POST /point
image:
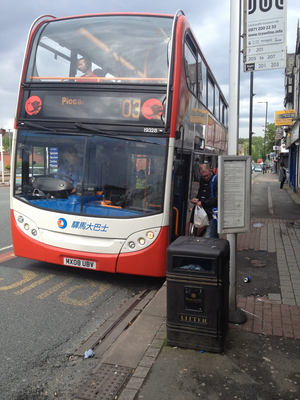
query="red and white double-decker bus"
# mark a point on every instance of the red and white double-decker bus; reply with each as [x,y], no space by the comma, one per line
[133,100]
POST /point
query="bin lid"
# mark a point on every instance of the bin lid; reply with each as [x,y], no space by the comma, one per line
[198,246]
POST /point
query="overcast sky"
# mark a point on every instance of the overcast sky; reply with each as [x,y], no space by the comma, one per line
[210,21]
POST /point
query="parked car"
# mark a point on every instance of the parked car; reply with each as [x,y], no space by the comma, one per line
[258,168]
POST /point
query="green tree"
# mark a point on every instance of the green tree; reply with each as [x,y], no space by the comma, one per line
[245,143]
[257,148]
[5,143]
[270,138]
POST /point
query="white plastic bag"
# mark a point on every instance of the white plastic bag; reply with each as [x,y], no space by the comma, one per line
[200,217]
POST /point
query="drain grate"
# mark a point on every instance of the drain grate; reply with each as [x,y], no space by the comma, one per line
[106,383]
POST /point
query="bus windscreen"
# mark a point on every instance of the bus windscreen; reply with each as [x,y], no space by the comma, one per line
[101,49]
[91,175]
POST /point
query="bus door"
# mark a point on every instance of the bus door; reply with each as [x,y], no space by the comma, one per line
[180,199]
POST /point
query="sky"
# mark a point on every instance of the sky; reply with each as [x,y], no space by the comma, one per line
[210,22]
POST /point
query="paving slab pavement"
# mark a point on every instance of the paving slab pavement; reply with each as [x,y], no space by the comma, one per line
[261,357]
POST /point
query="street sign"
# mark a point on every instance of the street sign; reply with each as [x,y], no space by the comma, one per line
[278,133]
[284,117]
[283,122]
[264,35]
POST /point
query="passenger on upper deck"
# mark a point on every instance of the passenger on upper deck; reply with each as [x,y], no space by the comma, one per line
[84,65]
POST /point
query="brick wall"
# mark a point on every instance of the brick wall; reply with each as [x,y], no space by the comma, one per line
[6,158]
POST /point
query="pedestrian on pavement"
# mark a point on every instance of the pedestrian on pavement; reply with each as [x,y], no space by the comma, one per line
[205,199]
[282,175]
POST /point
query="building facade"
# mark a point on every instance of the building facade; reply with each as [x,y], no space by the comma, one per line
[291,102]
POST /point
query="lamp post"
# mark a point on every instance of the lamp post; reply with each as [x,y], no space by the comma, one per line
[251,113]
[266,122]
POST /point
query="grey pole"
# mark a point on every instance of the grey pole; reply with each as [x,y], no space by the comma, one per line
[236,315]
[251,113]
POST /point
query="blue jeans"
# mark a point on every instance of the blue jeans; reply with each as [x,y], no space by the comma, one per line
[212,230]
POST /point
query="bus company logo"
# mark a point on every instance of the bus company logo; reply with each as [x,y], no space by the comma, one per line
[33,105]
[152,109]
[62,223]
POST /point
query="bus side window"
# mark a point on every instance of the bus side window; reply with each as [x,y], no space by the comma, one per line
[190,66]
[202,83]
[211,96]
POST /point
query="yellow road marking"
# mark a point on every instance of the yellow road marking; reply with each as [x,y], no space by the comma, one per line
[7,256]
[55,288]
[64,296]
[34,284]
[27,276]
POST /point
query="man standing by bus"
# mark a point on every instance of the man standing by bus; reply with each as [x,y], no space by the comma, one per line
[206,200]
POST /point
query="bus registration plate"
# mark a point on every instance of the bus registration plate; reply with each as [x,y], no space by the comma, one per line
[74,262]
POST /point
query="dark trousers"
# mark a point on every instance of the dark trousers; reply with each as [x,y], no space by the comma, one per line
[282,183]
[211,230]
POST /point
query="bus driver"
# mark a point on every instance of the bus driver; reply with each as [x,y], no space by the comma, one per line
[71,166]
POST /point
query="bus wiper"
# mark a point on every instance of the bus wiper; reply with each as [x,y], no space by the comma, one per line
[33,125]
[107,134]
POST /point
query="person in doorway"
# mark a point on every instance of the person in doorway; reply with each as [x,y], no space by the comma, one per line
[204,198]
[282,175]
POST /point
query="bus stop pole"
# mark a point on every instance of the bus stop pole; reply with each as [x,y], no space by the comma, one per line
[236,315]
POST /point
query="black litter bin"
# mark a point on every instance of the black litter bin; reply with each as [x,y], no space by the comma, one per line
[197,293]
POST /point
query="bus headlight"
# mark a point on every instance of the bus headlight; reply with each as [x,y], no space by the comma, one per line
[150,235]
[141,241]
[27,226]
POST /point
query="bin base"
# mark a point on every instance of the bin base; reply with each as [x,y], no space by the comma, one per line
[213,342]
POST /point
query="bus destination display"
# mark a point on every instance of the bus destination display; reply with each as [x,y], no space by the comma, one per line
[131,108]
